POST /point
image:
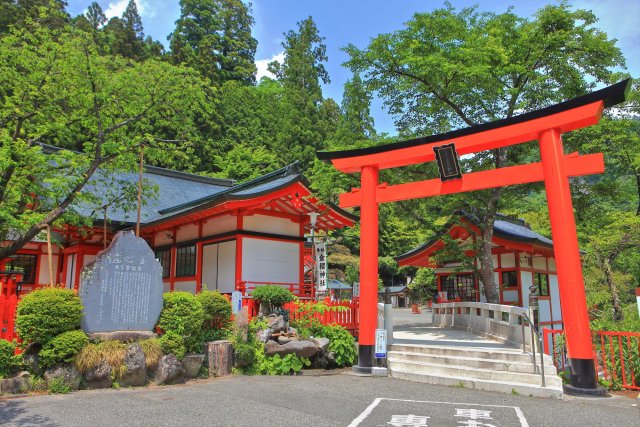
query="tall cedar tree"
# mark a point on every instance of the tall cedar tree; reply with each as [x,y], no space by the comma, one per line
[310,117]
[214,38]
[449,69]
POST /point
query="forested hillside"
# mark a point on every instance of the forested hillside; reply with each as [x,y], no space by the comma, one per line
[103,89]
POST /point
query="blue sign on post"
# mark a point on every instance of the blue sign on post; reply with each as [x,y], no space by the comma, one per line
[381,344]
[236,302]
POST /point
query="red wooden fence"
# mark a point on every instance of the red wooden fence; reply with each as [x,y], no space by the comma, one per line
[8,305]
[617,355]
[348,317]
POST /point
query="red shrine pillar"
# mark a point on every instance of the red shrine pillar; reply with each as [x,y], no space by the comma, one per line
[567,254]
[368,268]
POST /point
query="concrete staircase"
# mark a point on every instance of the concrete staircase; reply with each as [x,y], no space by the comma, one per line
[504,370]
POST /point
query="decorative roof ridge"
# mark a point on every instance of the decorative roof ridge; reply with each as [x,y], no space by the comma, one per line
[289,170]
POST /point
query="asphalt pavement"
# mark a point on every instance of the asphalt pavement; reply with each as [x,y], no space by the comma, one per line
[341,399]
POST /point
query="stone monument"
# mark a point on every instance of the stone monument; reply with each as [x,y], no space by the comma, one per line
[122,289]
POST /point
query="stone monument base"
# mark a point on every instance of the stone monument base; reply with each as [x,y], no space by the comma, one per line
[122,335]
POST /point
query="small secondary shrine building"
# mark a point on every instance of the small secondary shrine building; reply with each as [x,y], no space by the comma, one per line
[521,258]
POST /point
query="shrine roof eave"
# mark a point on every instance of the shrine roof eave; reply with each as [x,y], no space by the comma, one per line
[349,160]
[532,242]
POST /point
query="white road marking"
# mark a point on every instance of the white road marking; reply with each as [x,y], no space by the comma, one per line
[360,418]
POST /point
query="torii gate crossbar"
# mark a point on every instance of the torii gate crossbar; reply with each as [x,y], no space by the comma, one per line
[545,126]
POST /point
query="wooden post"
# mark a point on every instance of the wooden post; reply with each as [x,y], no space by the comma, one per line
[220,356]
[50,256]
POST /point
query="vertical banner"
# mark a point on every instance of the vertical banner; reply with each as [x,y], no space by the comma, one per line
[356,289]
[236,302]
[381,344]
[321,264]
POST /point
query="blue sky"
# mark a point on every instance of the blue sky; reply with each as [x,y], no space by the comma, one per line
[357,21]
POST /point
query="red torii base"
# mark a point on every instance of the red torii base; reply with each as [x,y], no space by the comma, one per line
[546,126]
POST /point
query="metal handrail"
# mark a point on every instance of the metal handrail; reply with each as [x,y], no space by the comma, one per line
[533,346]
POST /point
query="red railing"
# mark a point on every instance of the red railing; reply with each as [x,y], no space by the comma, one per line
[304,290]
[347,317]
[617,355]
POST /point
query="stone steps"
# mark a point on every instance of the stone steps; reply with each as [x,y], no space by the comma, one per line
[471,362]
[504,370]
[474,383]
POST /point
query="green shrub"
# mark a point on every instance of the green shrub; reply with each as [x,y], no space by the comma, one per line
[277,365]
[273,296]
[173,343]
[45,313]
[244,353]
[7,358]
[217,309]
[58,386]
[181,313]
[63,348]
[342,344]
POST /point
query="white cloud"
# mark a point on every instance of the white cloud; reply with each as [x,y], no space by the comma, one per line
[116,8]
[262,64]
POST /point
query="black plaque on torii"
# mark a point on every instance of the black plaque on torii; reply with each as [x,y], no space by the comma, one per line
[448,162]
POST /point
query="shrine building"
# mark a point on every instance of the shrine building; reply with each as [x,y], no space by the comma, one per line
[521,258]
[204,231]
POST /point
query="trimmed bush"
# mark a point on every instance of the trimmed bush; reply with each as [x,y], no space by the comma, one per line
[181,313]
[63,348]
[272,296]
[217,309]
[45,313]
[173,343]
[7,358]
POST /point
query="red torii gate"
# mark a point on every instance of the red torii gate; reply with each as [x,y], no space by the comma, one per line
[546,126]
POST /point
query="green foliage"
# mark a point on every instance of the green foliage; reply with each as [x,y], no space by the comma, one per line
[172,342]
[286,365]
[244,353]
[8,359]
[45,313]
[183,315]
[217,309]
[341,343]
[423,286]
[214,37]
[58,386]
[275,296]
[63,348]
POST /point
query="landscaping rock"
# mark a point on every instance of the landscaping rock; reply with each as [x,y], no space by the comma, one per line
[284,339]
[322,343]
[299,348]
[135,373]
[99,377]
[169,370]
[68,373]
[191,364]
[241,322]
[276,324]
[18,384]
[32,360]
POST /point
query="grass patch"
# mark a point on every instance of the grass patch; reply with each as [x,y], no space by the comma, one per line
[514,392]
[459,384]
[152,352]
[88,358]
[113,352]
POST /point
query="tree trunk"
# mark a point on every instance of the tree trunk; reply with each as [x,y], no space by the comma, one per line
[486,260]
[220,357]
[615,298]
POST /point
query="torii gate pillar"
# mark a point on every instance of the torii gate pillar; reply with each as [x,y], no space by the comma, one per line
[567,255]
[368,268]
